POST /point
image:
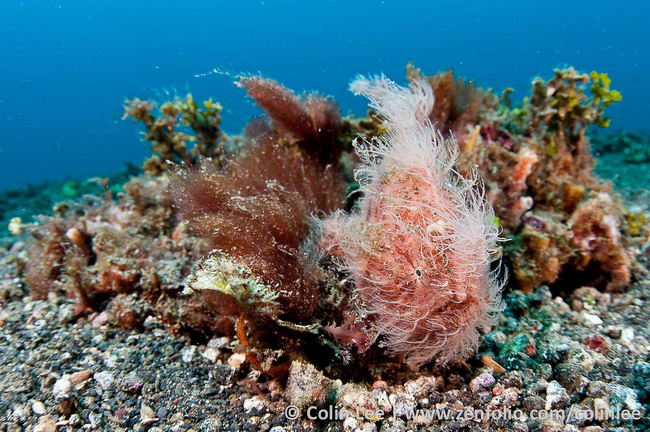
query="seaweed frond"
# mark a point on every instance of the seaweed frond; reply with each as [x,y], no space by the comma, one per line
[169,142]
[457,103]
[314,122]
[257,211]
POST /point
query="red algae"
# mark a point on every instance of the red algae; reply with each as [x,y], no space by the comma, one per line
[313,121]
[257,211]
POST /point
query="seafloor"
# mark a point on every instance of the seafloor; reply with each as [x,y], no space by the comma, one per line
[578,353]
[62,374]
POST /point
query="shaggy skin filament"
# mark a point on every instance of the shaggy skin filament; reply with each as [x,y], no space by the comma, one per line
[421,241]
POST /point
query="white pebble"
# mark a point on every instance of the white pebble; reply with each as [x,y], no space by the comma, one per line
[101,320]
[236,360]
[105,379]
[62,387]
[254,402]
[350,423]
[211,354]
[218,343]
[481,383]
[38,407]
[590,319]
[187,354]
[555,394]
[147,415]
[46,424]
[627,336]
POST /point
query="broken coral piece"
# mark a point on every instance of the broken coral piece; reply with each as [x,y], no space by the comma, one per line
[596,227]
[105,248]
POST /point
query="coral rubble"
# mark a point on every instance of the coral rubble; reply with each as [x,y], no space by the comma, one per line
[538,171]
[585,356]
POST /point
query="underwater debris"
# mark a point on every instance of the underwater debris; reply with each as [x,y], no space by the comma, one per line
[46,253]
[420,243]
[596,227]
[106,248]
[170,144]
[15,226]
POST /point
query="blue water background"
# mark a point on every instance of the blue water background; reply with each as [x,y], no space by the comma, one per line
[65,67]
